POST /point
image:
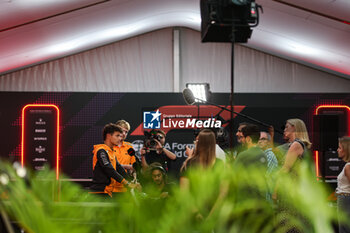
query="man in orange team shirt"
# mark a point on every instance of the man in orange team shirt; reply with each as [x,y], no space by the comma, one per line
[125,154]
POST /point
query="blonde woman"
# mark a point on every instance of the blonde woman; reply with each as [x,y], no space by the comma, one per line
[343,189]
[202,156]
[296,133]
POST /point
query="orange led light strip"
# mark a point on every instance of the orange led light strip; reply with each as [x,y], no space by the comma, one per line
[57,132]
[316,113]
[316,164]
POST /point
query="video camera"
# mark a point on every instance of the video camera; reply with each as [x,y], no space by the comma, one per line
[150,140]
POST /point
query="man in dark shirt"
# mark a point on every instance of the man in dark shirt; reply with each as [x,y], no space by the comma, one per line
[240,145]
[157,154]
[253,164]
[106,169]
[253,155]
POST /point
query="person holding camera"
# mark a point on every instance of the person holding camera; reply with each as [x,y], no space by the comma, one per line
[154,151]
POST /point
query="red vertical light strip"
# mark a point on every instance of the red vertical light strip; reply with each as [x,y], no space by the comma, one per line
[57,133]
[22,136]
[57,143]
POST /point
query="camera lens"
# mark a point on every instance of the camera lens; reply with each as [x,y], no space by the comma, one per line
[153,143]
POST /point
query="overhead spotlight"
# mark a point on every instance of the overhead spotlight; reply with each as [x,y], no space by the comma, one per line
[200,91]
[221,18]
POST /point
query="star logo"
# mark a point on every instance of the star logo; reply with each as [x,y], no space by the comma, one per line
[155,115]
[151,120]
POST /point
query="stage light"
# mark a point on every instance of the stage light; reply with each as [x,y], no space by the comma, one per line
[221,18]
[200,91]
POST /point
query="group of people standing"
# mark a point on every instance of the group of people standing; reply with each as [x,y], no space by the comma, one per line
[114,161]
[256,150]
[115,165]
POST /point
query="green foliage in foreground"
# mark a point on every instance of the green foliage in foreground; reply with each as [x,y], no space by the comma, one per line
[220,200]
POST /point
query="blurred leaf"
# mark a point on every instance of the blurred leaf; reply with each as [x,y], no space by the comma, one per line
[224,199]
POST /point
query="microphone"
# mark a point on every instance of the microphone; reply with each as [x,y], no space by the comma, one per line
[137,165]
[188,96]
[131,152]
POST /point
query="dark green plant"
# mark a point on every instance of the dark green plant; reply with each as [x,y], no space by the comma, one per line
[218,200]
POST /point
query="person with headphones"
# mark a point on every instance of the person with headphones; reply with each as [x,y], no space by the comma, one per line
[158,176]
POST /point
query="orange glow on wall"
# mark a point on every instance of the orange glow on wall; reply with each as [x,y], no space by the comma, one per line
[57,133]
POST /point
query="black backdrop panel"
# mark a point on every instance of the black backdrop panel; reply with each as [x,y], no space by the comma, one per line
[326,132]
[83,115]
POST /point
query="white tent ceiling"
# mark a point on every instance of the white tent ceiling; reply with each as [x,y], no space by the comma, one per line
[313,32]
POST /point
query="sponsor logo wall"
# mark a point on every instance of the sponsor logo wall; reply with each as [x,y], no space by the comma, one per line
[83,115]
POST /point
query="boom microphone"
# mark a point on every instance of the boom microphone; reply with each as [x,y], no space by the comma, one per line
[190,99]
[188,96]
